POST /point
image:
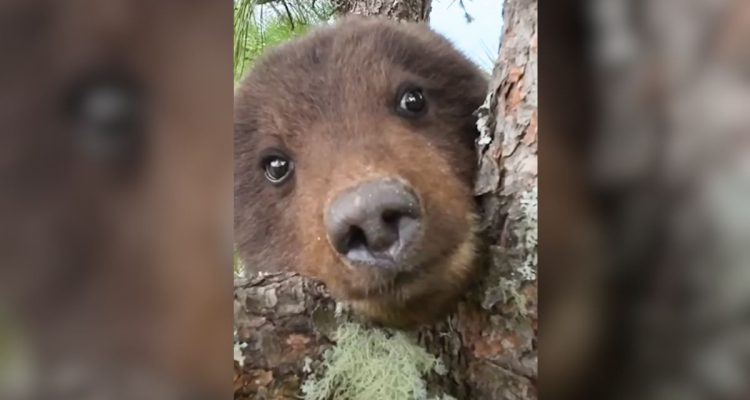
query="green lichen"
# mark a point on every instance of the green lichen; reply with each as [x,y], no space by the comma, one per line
[371,364]
[529,233]
[514,267]
[239,265]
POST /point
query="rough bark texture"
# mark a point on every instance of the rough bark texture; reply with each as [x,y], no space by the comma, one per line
[282,319]
[286,323]
[500,339]
[405,10]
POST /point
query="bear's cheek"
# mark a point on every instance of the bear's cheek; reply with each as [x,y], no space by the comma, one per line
[426,161]
[317,259]
[316,186]
[266,231]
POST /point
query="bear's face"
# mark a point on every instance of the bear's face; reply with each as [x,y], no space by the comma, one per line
[354,164]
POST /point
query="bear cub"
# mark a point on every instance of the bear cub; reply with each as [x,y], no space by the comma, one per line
[354,165]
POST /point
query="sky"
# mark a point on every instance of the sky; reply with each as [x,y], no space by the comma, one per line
[479,39]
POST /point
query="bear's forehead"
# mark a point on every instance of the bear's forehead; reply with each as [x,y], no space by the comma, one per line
[355,55]
[322,77]
[349,71]
[356,46]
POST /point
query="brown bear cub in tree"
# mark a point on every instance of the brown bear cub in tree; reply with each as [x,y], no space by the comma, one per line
[354,165]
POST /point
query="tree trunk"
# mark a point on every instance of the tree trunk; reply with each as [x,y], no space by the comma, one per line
[404,10]
[670,84]
[487,347]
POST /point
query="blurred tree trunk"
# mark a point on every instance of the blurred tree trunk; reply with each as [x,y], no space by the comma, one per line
[671,86]
[488,345]
[405,10]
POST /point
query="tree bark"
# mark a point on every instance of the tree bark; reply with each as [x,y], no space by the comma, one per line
[286,323]
[404,10]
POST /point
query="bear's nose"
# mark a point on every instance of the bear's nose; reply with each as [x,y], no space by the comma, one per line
[374,223]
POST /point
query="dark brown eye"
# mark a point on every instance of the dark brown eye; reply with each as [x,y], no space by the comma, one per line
[411,103]
[278,168]
[106,111]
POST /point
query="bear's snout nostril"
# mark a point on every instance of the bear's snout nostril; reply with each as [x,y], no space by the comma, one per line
[375,223]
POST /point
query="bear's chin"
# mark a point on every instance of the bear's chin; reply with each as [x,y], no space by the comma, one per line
[409,299]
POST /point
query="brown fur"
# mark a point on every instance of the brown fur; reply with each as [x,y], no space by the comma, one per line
[116,271]
[328,100]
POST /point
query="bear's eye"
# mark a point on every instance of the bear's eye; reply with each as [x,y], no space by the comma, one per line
[411,102]
[278,168]
[107,114]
